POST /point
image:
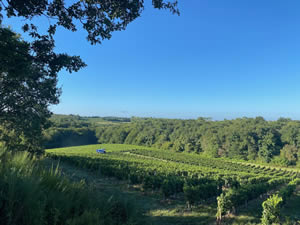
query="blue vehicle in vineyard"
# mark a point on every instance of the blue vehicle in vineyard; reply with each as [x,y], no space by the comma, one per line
[101,151]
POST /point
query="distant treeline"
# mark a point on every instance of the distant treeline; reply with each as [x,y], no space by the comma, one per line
[73,130]
[243,138]
[71,120]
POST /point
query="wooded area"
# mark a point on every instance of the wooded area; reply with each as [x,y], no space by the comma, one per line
[244,138]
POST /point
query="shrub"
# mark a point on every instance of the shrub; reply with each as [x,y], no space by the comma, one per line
[271,210]
[30,194]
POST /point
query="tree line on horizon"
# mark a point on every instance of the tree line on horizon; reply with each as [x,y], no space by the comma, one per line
[254,139]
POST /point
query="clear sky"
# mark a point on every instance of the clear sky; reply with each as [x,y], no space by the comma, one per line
[219,59]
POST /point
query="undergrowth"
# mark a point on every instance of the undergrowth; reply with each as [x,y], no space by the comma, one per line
[31,194]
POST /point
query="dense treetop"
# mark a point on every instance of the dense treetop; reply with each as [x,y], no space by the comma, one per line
[243,138]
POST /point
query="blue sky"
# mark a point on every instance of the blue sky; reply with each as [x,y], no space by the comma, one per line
[219,59]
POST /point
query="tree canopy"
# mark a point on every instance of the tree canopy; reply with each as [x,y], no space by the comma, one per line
[98,17]
[28,70]
[252,139]
[27,87]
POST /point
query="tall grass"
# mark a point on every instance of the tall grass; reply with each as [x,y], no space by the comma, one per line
[32,195]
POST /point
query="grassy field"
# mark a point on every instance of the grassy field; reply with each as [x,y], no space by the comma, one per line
[90,150]
[155,208]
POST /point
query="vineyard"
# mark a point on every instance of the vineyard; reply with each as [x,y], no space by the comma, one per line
[195,178]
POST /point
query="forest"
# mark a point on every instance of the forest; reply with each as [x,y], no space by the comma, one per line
[251,139]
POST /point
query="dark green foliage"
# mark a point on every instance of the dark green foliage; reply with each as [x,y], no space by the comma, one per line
[223,207]
[114,119]
[236,196]
[271,210]
[271,207]
[287,191]
[199,192]
[168,187]
[199,178]
[289,153]
[29,70]
[32,195]
[28,78]
[71,121]
[98,18]
[248,139]
[210,144]
[63,137]
[269,145]
[243,139]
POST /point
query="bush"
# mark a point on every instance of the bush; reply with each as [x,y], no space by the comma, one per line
[271,210]
[30,194]
[224,205]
